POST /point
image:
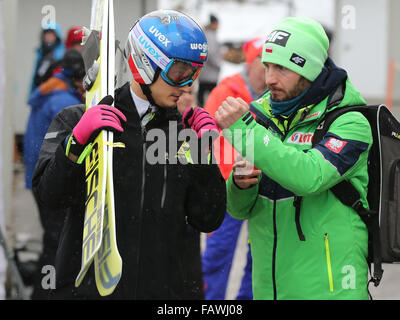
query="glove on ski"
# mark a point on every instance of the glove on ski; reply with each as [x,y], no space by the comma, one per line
[199,120]
[96,119]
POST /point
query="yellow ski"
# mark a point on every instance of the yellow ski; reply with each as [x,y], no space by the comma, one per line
[99,237]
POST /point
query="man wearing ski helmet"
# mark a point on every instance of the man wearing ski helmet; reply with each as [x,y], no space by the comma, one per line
[154,49]
[154,202]
[305,243]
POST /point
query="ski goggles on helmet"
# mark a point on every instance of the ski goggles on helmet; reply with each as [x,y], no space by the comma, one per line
[179,73]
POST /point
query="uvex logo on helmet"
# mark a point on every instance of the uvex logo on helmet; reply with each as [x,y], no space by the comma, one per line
[151,51]
[149,48]
[163,39]
[278,37]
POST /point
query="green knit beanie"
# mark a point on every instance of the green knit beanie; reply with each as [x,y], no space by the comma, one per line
[299,44]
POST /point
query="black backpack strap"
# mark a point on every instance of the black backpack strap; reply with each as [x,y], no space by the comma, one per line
[376,248]
[262,119]
[349,196]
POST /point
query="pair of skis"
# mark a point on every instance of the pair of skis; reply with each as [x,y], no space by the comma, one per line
[99,237]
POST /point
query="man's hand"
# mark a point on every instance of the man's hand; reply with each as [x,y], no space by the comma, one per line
[230,111]
[244,174]
[100,117]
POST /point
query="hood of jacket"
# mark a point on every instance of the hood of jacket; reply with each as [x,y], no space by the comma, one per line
[332,82]
[57,83]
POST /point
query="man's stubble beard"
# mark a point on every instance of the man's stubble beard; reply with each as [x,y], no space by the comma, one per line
[302,84]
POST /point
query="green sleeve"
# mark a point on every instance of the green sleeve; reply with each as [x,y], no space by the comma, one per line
[303,173]
[240,201]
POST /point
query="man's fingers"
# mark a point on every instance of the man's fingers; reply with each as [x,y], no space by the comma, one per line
[240,163]
[226,106]
[242,105]
[241,102]
[245,183]
[252,180]
[254,173]
[247,174]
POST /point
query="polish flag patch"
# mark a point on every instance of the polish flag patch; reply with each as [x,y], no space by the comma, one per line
[268,49]
[335,145]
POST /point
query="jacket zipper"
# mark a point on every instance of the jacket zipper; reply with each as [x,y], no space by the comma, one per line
[275,242]
[328,263]
[164,190]
[274,252]
[284,135]
[275,236]
[141,205]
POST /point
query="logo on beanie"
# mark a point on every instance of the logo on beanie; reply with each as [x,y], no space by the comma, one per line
[278,37]
[268,49]
[300,61]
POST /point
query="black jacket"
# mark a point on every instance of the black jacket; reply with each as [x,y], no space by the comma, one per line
[152,238]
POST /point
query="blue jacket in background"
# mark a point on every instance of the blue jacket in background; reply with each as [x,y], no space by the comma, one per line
[46,101]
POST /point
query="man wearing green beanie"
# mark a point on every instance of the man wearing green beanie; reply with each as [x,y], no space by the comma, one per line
[305,243]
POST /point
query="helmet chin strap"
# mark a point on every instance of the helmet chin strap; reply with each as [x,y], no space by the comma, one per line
[147,92]
[146,88]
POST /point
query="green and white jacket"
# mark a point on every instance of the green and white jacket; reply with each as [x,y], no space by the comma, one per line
[330,263]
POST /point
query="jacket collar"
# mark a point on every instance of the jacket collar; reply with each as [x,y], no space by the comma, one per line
[124,102]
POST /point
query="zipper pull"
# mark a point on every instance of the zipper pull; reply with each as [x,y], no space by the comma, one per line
[304,114]
[328,263]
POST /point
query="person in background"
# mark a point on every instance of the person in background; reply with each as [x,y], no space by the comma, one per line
[74,38]
[60,91]
[51,50]
[221,244]
[209,76]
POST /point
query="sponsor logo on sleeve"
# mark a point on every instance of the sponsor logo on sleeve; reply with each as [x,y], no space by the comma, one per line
[335,145]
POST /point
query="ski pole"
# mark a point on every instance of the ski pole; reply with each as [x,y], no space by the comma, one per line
[14,270]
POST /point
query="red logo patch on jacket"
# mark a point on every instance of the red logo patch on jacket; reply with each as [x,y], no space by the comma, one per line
[335,145]
[301,138]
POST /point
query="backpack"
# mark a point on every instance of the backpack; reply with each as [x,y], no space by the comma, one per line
[383,217]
